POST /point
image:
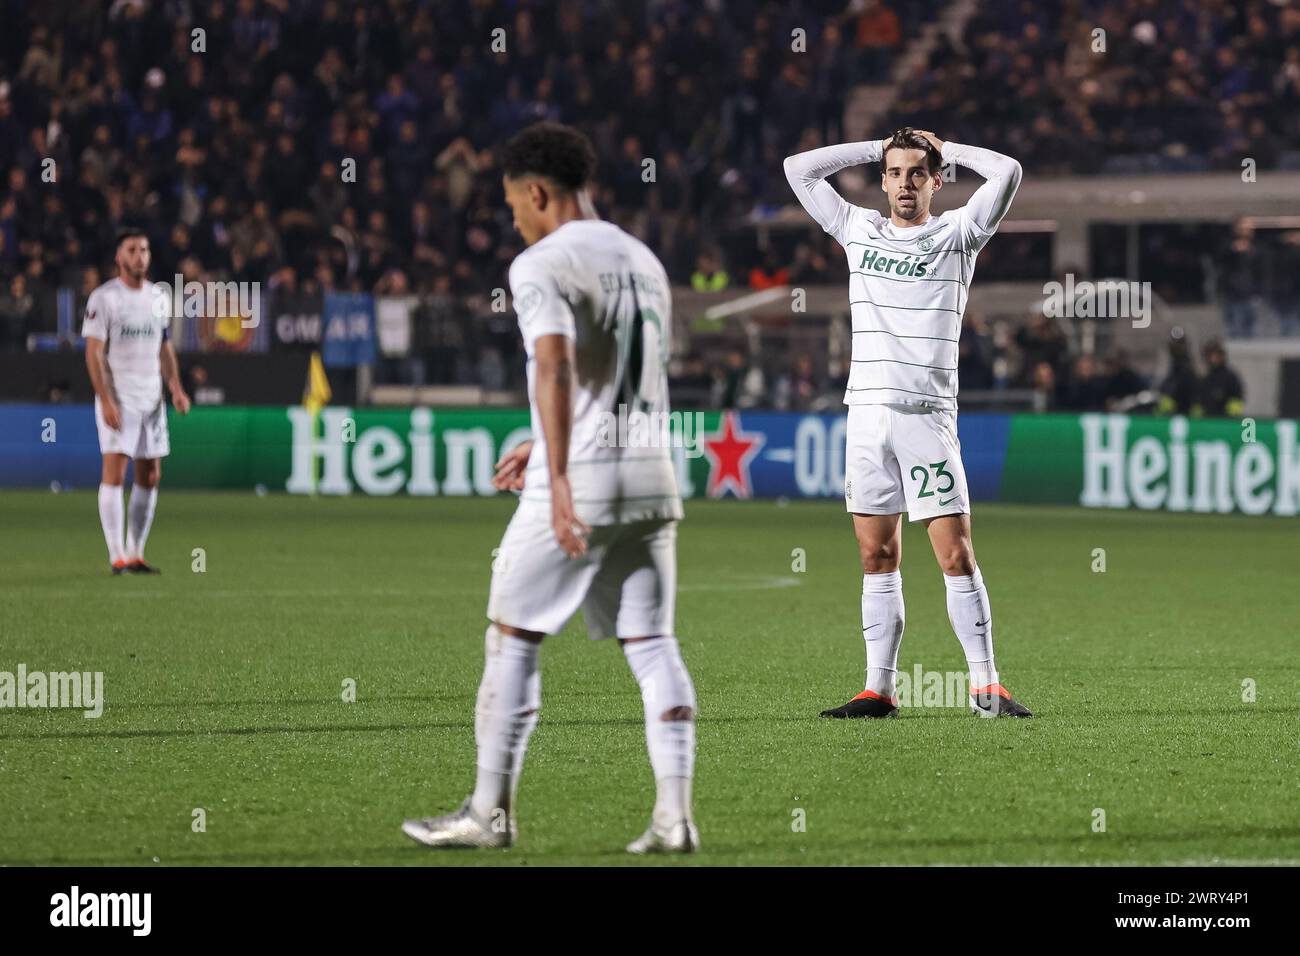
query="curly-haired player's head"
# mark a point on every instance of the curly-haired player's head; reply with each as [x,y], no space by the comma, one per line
[910,174]
[546,171]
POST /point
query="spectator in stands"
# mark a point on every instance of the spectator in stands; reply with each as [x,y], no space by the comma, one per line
[1123,382]
[8,234]
[16,309]
[1041,340]
[1221,393]
[810,266]
[770,274]
[739,383]
[833,76]
[1286,283]
[1042,379]
[878,32]
[975,354]
[57,392]
[1239,281]
[1083,390]
[800,388]
[709,276]
[1178,392]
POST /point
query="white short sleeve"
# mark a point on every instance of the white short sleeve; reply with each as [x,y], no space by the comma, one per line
[94,325]
[539,302]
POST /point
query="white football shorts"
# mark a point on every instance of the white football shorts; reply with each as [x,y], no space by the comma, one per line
[626,583]
[143,435]
[904,458]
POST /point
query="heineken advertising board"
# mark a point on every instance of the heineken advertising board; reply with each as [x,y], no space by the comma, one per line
[1100,461]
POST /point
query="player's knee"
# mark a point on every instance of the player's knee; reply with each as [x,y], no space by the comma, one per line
[534,636]
[114,472]
[879,557]
[147,473]
[959,559]
[678,713]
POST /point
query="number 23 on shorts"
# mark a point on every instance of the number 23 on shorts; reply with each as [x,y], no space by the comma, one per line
[941,473]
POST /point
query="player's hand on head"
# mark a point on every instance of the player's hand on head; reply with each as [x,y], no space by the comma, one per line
[570,533]
[511,467]
[934,140]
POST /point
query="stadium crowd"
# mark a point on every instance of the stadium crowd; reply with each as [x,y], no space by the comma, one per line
[1002,362]
[1119,86]
[338,144]
[353,143]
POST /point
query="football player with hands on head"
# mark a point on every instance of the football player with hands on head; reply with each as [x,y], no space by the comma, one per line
[909,279]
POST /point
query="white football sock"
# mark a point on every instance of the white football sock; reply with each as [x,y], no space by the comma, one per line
[658,667]
[506,713]
[972,621]
[110,518]
[882,629]
[139,517]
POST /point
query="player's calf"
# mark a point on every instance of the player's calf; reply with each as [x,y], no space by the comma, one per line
[668,698]
[506,712]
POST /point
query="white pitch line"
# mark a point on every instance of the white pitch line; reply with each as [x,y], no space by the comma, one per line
[760,584]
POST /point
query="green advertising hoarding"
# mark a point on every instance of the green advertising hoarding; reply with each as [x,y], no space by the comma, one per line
[1096,460]
[370,451]
[1172,464]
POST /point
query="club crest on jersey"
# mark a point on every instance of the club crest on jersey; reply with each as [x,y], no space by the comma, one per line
[926,244]
[528,300]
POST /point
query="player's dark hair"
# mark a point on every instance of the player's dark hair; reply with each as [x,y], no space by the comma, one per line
[558,152]
[908,138]
[129,232]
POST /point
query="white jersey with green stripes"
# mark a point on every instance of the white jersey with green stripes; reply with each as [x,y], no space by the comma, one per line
[595,284]
[907,292]
[908,285]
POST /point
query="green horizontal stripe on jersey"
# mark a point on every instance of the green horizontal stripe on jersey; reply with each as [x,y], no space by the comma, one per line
[941,368]
[891,388]
[929,338]
[931,252]
[909,308]
[881,275]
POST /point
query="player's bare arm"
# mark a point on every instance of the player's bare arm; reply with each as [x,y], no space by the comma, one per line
[554,364]
[101,379]
[172,376]
[510,467]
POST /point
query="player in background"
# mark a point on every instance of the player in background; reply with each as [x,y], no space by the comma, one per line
[596,525]
[129,354]
[909,278]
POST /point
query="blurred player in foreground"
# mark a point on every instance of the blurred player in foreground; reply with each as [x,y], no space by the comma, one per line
[596,526]
[129,354]
[909,278]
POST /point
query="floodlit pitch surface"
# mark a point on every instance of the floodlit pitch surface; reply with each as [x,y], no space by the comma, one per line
[224,691]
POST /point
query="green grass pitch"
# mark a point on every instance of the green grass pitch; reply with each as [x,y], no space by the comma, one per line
[224,691]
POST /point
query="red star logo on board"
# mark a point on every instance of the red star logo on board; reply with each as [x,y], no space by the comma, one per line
[729,454]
